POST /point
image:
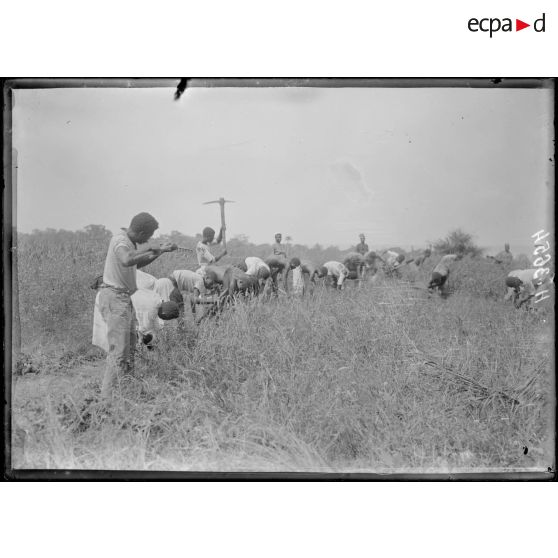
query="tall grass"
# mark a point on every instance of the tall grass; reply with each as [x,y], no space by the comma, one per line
[341,381]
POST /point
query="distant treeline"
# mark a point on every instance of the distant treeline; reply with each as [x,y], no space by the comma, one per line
[94,237]
[238,247]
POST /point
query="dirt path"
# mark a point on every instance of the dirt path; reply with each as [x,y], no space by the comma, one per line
[30,391]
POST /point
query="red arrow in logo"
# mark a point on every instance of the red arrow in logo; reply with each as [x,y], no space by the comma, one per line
[519,25]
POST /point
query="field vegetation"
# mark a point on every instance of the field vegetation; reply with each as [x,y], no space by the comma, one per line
[383,378]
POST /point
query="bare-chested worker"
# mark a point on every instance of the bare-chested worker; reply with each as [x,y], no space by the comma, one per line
[419,260]
[189,282]
[240,264]
[205,257]
[278,267]
[229,280]
[334,272]
[354,262]
[372,263]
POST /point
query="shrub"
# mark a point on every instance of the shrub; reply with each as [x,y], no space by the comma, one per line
[457,242]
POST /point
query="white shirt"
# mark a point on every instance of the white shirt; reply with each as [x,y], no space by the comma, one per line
[391,258]
[205,257]
[145,280]
[298,280]
[164,287]
[254,264]
[146,306]
[115,273]
[527,277]
[338,270]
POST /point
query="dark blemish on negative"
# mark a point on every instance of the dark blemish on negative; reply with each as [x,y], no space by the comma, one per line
[525,450]
[496,81]
[180,88]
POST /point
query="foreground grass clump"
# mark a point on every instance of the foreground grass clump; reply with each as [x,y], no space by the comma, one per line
[382,378]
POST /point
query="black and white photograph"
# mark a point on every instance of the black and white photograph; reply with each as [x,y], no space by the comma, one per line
[280,276]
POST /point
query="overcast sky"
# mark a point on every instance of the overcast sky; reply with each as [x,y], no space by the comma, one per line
[404,166]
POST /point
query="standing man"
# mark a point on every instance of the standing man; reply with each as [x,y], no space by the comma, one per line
[280,254]
[361,248]
[119,284]
[505,257]
[279,250]
[205,257]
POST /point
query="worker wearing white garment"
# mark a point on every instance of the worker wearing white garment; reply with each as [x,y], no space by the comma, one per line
[256,267]
[336,272]
[167,289]
[522,284]
[205,257]
[150,310]
[393,259]
[304,273]
[145,280]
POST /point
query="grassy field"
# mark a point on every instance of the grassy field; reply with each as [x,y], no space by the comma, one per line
[379,379]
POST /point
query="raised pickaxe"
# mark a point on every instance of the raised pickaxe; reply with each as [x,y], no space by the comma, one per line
[222,202]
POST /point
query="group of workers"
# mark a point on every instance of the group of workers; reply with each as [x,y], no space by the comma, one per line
[131,303]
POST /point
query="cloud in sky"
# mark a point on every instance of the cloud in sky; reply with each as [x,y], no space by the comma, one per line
[401,165]
[348,181]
